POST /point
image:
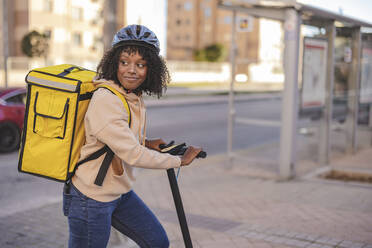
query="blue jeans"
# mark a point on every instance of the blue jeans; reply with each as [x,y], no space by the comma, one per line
[90,221]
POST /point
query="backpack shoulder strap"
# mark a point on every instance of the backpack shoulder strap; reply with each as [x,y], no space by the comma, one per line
[104,150]
[109,153]
[122,98]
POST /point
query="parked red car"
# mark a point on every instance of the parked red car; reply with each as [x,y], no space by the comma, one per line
[12,110]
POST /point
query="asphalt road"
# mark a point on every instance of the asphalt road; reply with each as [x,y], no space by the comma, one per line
[205,125]
[202,125]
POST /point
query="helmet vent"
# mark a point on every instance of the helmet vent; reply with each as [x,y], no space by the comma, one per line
[138,30]
[147,34]
[129,33]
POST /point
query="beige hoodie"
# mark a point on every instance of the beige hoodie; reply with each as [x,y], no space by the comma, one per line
[106,122]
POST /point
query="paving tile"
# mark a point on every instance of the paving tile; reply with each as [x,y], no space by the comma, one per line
[315,245]
[228,210]
[357,245]
[346,244]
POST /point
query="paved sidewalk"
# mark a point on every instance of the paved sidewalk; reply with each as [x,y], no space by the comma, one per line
[228,208]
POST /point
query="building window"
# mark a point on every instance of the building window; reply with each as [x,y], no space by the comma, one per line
[179,6]
[97,41]
[76,39]
[77,13]
[178,22]
[48,33]
[48,6]
[187,6]
[227,20]
[207,12]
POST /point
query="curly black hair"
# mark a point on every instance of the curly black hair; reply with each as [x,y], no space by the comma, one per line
[157,76]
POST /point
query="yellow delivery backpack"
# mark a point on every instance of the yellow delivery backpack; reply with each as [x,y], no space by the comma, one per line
[53,134]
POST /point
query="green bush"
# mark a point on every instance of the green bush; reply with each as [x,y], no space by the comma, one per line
[211,53]
[214,53]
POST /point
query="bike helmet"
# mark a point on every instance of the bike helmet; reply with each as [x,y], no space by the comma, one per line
[136,35]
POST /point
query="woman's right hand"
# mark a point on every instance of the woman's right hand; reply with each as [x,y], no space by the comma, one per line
[190,155]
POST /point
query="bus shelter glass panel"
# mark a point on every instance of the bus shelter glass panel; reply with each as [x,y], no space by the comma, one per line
[259,60]
[364,130]
[312,98]
[342,70]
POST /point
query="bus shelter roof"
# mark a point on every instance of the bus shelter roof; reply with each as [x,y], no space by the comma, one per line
[273,9]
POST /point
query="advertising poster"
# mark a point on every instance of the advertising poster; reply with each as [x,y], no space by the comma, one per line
[366,76]
[314,73]
[244,23]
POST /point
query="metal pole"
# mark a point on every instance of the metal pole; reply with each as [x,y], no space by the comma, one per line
[231,114]
[290,95]
[326,121]
[179,207]
[370,120]
[110,27]
[5,41]
[353,92]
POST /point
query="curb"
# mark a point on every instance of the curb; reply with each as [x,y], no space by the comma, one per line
[181,100]
[316,177]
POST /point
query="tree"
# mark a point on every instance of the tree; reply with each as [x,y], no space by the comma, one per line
[35,44]
[212,53]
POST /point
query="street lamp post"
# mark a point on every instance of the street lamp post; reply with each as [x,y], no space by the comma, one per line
[5,41]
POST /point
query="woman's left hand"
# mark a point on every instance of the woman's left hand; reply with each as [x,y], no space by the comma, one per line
[189,155]
[154,144]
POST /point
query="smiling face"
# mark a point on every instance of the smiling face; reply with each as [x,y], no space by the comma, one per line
[132,70]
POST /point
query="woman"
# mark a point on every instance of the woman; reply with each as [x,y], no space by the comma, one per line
[133,67]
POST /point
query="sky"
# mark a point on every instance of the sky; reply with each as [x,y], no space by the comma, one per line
[152,13]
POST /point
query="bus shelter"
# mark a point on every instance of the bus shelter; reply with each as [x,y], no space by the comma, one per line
[292,15]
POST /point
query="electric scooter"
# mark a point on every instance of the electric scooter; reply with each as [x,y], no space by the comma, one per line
[179,149]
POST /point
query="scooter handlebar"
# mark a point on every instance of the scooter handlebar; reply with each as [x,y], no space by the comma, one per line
[179,149]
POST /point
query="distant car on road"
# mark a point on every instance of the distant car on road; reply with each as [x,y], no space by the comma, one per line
[12,110]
